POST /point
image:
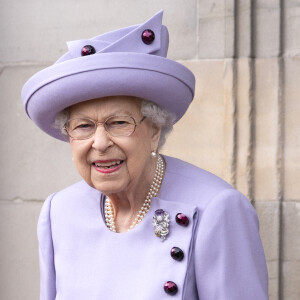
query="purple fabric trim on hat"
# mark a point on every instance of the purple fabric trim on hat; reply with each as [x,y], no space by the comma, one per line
[126,40]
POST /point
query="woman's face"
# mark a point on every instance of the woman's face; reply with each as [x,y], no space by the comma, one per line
[114,164]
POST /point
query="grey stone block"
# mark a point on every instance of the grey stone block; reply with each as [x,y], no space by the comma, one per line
[243,28]
[291,231]
[235,28]
[190,139]
[244,126]
[216,29]
[291,275]
[291,36]
[267,28]
[273,279]
[268,214]
[19,276]
[37,30]
[267,110]
[292,129]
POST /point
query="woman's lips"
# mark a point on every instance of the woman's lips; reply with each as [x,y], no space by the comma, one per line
[108,166]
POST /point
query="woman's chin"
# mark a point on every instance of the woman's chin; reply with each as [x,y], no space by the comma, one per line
[109,187]
[108,182]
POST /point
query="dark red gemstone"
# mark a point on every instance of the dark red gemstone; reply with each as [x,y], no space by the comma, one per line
[87,50]
[170,288]
[177,254]
[182,219]
[148,36]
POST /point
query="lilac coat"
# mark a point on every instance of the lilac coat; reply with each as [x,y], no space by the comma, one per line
[80,258]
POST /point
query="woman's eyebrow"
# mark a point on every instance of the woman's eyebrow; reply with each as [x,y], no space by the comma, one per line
[113,113]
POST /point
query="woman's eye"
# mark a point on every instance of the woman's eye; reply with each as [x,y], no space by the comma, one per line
[83,126]
[117,123]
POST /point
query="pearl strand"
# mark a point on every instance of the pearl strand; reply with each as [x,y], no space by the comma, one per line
[153,192]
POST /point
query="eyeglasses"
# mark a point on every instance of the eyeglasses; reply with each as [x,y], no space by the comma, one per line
[84,128]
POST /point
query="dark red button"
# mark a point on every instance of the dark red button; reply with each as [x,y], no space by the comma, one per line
[148,36]
[177,254]
[87,50]
[182,219]
[170,288]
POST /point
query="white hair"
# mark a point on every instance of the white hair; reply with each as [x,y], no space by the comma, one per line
[59,122]
[158,115]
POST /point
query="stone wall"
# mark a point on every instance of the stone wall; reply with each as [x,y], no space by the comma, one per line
[243,124]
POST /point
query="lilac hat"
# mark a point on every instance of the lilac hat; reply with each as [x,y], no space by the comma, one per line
[129,61]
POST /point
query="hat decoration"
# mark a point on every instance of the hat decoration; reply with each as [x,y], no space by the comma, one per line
[130,61]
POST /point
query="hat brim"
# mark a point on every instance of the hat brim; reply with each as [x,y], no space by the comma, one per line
[158,79]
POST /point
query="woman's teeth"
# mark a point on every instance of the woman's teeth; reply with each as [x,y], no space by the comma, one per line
[107,165]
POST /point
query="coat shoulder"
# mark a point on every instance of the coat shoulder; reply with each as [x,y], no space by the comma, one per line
[192,173]
[75,197]
[79,187]
[184,181]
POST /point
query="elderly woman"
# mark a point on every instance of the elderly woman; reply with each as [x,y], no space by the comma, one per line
[139,225]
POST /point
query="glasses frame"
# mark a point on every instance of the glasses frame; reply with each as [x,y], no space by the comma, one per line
[104,125]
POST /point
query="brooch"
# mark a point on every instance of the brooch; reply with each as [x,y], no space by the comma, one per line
[161,222]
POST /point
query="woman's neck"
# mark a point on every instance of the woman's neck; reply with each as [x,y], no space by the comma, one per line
[127,204]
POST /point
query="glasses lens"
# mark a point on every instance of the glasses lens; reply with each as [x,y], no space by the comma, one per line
[80,128]
[120,126]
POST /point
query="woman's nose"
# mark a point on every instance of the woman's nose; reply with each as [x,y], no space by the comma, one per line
[102,140]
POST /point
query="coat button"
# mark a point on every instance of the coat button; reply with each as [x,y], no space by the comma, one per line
[182,219]
[148,36]
[177,254]
[170,288]
[87,50]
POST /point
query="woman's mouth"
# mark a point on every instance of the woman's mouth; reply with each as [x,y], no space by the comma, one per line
[107,166]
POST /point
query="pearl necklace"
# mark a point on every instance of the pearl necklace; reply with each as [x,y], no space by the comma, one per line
[153,192]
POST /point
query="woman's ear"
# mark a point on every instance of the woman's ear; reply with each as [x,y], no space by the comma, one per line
[156,132]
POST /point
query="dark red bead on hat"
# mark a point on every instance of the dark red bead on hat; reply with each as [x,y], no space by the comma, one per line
[177,253]
[87,50]
[171,288]
[148,36]
[182,219]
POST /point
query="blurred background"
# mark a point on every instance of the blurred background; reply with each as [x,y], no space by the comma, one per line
[243,125]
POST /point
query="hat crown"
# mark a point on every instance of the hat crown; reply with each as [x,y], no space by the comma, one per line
[128,39]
